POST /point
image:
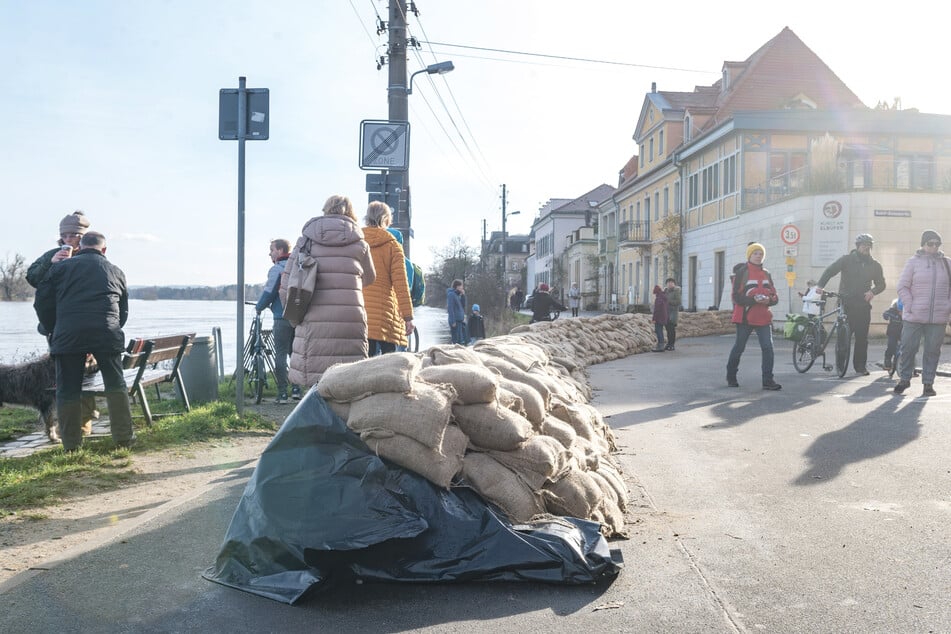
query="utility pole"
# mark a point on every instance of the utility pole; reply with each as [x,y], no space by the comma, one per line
[399,109]
[504,283]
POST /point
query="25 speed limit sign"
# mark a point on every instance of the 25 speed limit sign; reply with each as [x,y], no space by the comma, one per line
[789,234]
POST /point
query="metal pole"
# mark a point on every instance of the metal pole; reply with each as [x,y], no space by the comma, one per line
[398,105]
[504,284]
[242,132]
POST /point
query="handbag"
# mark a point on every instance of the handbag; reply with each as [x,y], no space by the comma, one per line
[301,285]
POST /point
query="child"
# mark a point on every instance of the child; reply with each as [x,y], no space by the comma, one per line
[810,299]
[476,325]
[893,316]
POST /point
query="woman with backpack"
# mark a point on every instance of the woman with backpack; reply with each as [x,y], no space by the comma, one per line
[753,294]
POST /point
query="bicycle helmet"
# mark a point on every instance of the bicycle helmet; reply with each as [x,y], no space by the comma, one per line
[864,238]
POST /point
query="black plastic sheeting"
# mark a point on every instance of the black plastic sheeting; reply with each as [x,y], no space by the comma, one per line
[322,509]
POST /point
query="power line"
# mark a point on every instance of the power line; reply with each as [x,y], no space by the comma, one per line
[567,58]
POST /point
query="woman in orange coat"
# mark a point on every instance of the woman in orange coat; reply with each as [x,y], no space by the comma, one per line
[388,304]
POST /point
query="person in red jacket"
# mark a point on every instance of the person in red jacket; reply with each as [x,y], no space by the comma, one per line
[753,294]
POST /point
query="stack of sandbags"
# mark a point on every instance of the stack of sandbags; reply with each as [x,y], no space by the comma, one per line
[400,418]
[711,322]
[590,340]
[533,443]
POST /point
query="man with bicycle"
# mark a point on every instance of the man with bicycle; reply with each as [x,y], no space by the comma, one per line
[282,329]
[862,279]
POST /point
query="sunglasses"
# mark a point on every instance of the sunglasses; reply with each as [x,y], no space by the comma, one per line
[933,243]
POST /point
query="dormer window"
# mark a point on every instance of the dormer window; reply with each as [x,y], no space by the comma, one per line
[687,134]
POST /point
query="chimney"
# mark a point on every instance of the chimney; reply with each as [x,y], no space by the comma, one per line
[653,86]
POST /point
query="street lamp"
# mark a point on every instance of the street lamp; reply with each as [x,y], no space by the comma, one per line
[440,68]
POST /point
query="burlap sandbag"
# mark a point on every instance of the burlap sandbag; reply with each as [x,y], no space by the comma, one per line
[532,401]
[559,429]
[422,414]
[510,400]
[537,461]
[578,417]
[575,494]
[613,476]
[513,373]
[612,519]
[453,353]
[473,383]
[393,372]
[514,354]
[491,426]
[340,409]
[501,486]
[439,467]
[585,454]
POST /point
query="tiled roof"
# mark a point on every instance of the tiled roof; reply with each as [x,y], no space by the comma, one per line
[583,203]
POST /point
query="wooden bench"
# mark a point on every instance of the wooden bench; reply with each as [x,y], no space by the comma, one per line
[141,368]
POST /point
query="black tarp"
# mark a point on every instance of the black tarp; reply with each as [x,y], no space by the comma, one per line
[320,509]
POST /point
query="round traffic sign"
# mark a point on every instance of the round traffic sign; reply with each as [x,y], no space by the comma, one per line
[789,234]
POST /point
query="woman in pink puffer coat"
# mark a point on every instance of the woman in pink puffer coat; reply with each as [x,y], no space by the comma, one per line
[924,288]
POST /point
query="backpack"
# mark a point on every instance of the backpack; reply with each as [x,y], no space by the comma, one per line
[417,291]
[301,284]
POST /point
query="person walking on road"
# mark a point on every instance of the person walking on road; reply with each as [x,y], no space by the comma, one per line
[659,317]
[282,329]
[862,279]
[83,302]
[674,298]
[753,294]
[924,288]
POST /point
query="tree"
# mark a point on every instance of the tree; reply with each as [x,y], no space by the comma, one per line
[671,240]
[13,284]
[456,261]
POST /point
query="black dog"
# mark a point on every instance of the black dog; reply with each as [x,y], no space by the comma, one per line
[29,384]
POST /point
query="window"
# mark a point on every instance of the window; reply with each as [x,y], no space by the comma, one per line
[656,205]
[647,209]
[729,175]
[652,149]
[711,185]
[687,134]
[660,143]
[693,190]
[642,155]
[666,201]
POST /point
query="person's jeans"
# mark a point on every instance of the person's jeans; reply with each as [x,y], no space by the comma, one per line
[659,331]
[911,336]
[70,370]
[457,333]
[765,336]
[378,347]
[860,316]
[283,344]
[671,334]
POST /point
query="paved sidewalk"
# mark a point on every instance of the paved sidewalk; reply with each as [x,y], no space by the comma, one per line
[26,445]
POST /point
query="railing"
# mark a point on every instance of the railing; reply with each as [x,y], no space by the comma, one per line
[634,232]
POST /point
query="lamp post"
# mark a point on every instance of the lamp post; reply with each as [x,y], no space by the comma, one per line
[504,217]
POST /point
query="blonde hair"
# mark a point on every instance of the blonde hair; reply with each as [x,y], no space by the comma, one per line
[339,206]
[378,213]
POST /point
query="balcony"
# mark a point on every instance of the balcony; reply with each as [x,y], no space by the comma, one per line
[607,245]
[634,233]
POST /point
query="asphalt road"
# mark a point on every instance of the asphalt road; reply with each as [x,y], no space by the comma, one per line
[825,507]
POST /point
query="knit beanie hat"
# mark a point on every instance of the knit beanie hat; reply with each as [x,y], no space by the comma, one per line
[76,222]
[754,247]
[930,235]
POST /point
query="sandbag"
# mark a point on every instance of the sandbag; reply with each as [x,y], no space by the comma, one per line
[559,429]
[501,486]
[392,372]
[575,494]
[453,353]
[439,467]
[539,460]
[490,426]
[422,414]
[473,383]
[532,401]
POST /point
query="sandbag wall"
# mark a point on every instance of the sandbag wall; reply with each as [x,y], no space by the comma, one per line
[513,422]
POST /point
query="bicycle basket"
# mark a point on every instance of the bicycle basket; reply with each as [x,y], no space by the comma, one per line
[795,326]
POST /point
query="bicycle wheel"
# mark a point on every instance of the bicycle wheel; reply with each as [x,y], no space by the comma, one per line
[843,346]
[804,350]
[257,386]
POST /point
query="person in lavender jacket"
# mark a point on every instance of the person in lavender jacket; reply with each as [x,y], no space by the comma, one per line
[924,288]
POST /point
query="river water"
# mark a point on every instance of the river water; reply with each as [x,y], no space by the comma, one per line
[19,339]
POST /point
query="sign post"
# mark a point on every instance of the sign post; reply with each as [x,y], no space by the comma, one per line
[242,115]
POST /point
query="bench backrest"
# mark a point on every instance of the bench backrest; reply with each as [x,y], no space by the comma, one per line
[151,350]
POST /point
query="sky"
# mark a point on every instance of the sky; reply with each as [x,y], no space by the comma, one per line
[112,107]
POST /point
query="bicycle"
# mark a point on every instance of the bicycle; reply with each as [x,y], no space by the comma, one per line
[258,355]
[814,339]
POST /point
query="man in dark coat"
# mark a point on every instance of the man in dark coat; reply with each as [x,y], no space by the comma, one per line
[84,302]
[543,304]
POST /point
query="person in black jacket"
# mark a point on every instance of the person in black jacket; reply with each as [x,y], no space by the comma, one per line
[83,301]
[476,325]
[543,303]
[859,272]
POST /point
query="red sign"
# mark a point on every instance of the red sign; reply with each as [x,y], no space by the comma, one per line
[789,234]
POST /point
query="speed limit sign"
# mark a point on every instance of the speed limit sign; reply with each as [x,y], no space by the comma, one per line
[790,234]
